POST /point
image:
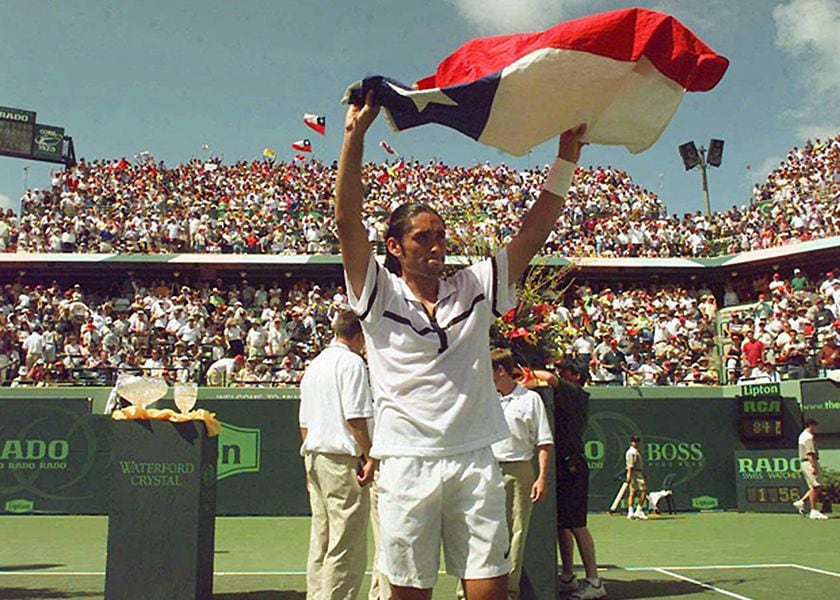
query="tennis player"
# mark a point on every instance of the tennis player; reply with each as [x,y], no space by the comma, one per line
[436,409]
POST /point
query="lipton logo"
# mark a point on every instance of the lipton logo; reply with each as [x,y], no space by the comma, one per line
[19,506]
[705,502]
[239,451]
[761,389]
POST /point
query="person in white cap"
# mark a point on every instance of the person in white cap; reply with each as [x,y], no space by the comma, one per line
[635,480]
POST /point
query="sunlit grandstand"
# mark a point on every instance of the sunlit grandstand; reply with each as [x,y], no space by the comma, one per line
[130,265]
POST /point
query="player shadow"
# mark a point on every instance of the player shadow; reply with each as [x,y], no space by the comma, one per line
[261,595]
[32,567]
[15,593]
[639,589]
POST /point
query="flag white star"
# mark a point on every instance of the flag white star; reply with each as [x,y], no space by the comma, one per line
[422,99]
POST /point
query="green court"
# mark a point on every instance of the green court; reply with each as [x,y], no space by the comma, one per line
[685,556]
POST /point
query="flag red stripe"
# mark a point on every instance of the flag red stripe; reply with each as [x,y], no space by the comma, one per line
[625,35]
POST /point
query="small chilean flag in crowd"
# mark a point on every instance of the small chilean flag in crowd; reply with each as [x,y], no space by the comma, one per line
[316,122]
[623,73]
[302,146]
[387,147]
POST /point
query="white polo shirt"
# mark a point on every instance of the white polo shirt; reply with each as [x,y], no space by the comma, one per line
[807,446]
[633,458]
[528,422]
[431,377]
[334,389]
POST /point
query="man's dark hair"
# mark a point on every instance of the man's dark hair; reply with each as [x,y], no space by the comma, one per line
[810,422]
[502,357]
[398,224]
[347,325]
[577,367]
[635,438]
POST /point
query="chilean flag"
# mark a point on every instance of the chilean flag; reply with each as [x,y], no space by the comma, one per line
[623,73]
[302,146]
[387,147]
[316,122]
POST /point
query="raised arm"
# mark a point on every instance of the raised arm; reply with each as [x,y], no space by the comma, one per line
[540,220]
[352,236]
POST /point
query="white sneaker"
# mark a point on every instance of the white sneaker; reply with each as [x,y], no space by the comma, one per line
[567,586]
[631,515]
[800,506]
[640,514]
[589,590]
[817,516]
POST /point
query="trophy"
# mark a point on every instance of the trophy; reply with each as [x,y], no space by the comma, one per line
[185,395]
[141,391]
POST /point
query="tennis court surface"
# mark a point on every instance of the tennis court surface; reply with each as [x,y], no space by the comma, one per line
[691,556]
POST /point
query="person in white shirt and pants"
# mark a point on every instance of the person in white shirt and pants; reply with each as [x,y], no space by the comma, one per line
[528,421]
[335,408]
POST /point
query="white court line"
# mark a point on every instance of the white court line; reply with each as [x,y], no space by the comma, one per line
[813,570]
[703,585]
[716,567]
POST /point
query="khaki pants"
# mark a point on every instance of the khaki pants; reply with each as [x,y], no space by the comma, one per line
[338,536]
[519,479]
[380,587]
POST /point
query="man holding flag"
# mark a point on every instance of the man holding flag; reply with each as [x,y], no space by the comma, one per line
[428,340]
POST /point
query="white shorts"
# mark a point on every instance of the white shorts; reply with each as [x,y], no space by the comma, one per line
[458,500]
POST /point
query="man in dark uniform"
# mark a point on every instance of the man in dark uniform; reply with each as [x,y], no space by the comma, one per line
[571,416]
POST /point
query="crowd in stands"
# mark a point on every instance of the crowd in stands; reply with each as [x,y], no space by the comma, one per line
[143,206]
[238,333]
[53,335]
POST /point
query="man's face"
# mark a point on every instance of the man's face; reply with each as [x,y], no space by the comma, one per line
[422,250]
[500,376]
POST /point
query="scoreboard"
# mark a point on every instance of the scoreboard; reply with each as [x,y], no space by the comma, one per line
[22,137]
[17,129]
[768,480]
[760,413]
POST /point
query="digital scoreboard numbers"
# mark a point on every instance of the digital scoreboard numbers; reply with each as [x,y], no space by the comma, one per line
[16,137]
[768,480]
[17,130]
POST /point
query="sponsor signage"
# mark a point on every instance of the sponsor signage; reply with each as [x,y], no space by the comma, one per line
[768,480]
[17,115]
[821,401]
[52,457]
[48,142]
[757,390]
[686,445]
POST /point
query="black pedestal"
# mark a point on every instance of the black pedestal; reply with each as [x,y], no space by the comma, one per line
[162,511]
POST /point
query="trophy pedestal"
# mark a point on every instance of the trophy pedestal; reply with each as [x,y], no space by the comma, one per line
[162,511]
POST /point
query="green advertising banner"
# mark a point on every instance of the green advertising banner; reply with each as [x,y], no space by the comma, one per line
[821,401]
[53,457]
[687,446]
[260,470]
[47,142]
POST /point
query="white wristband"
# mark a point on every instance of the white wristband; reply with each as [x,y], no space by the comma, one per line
[559,178]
